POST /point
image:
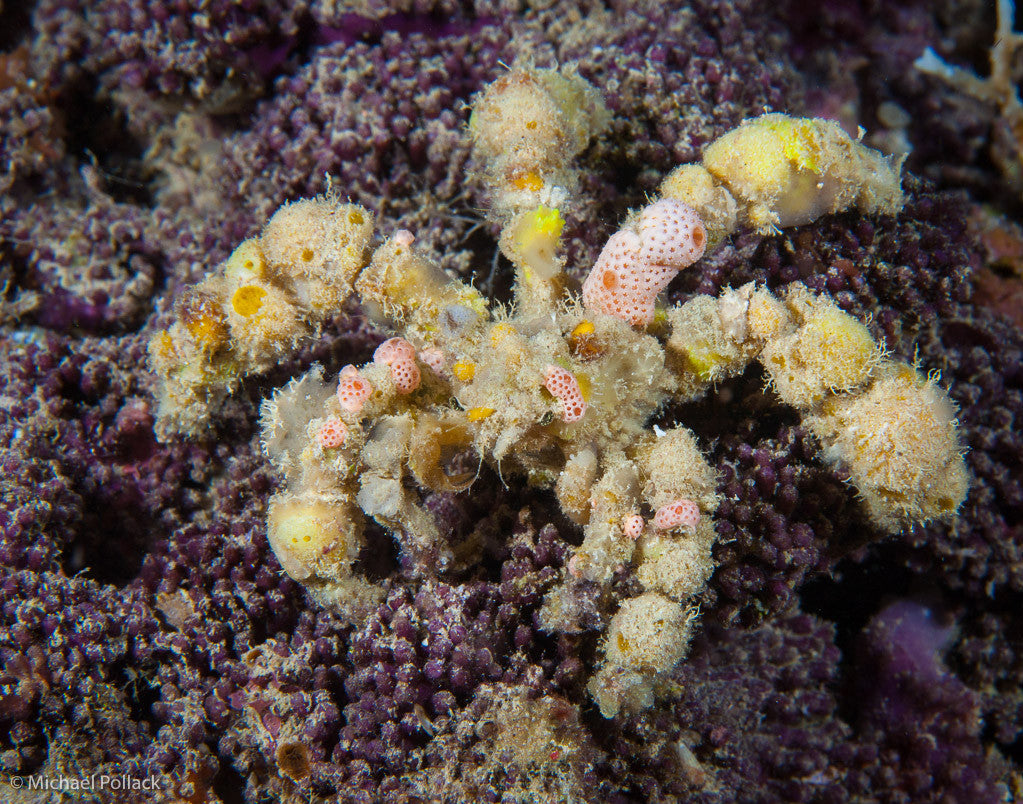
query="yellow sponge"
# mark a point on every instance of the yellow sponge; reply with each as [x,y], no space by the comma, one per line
[787,171]
[304,532]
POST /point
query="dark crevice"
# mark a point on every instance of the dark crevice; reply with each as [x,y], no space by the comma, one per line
[378,557]
[496,278]
[110,519]
[228,784]
[15,22]
[97,134]
[714,416]
[855,592]
[1012,752]
[849,598]
[16,265]
[140,695]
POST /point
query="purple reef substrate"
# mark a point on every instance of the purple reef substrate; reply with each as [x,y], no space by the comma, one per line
[146,628]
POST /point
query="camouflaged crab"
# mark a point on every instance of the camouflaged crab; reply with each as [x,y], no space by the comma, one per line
[560,387]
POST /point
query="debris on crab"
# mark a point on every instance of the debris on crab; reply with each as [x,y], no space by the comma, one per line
[559,388]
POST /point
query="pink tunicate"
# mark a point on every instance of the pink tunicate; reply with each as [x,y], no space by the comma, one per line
[400,355]
[632,526]
[638,263]
[353,389]
[677,514]
[434,358]
[332,433]
[563,386]
[394,349]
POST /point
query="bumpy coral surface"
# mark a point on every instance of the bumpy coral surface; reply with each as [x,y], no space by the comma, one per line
[146,627]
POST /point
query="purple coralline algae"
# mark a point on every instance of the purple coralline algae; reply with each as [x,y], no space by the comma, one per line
[902,679]
[146,629]
[215,53]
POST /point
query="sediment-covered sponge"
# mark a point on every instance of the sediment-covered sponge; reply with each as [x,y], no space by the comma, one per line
[676,564]
[639,261]
[786,171]
[898,441]
[313,537]
[316,248]
[829,351]
[677,470]
[258,305]
[891,429]
[708,341]
[649,632]
[646,639]
[526,128]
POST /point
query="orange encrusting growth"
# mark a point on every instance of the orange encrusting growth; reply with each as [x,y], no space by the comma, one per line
[204,319]
[247,300]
